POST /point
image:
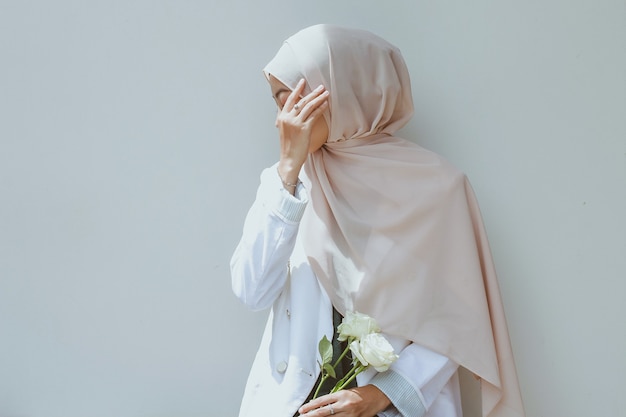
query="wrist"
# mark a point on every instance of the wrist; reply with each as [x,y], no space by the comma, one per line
[380,400]
[287,184]
[288,172]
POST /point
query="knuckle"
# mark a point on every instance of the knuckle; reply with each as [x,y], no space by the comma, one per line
[350,403]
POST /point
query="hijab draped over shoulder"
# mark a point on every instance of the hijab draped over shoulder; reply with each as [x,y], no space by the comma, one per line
[393,230]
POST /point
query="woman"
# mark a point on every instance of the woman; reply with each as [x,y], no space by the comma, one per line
[352,218]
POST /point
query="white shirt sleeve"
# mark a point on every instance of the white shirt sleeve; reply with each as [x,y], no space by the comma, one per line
[260,261]
[414,381]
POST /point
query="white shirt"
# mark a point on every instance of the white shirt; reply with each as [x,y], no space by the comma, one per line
[270,269]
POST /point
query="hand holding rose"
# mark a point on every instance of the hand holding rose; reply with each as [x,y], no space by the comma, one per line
[369,348]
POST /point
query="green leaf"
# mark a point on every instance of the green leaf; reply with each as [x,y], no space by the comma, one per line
[326,350]
[330,370]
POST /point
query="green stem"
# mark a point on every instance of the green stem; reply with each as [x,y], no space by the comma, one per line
[319,386]
[325,374]
[355,370]
[343,354]
[348,375]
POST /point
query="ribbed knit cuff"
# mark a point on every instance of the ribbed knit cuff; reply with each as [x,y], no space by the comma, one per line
[286,206]
[275,198]
[406,402]
[289,207]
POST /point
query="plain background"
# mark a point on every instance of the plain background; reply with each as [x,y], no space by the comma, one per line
[132,134]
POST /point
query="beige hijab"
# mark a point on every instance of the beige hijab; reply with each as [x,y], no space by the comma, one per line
[393,230]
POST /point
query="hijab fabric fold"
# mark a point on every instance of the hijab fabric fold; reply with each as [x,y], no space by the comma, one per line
[392,230]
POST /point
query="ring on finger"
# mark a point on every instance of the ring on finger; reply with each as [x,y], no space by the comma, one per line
[297,106]
[332,410]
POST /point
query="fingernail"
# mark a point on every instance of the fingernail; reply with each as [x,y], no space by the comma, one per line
[319,88]
[301,81]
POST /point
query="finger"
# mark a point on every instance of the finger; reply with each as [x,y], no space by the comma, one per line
[327,410]
[294,96]
[315,114]
[314,105]
[310,97]
[317,403]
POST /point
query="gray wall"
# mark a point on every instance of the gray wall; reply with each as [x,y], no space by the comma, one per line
[132,134]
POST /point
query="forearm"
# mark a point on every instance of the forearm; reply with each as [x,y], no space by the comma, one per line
[259,263]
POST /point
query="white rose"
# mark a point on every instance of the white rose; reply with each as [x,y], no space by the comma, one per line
[373,349]
[356,325]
